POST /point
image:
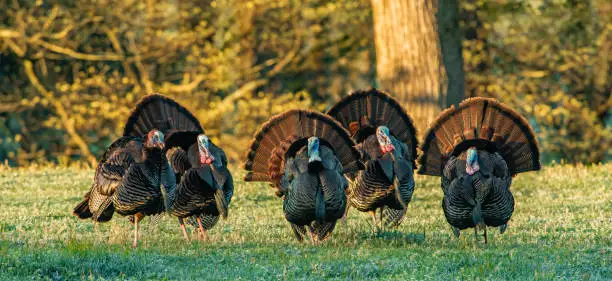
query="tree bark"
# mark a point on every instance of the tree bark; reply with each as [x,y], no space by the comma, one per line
[409,60]
[450,43]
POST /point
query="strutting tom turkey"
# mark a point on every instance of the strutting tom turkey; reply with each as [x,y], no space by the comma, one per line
[386,138]
[134,176]
[477,148]
[304,155]
[132,179]
[204,184]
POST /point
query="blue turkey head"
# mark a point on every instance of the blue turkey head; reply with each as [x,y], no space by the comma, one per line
[206,158]
[471,165]
[313,149]
[155,139]
[384,139]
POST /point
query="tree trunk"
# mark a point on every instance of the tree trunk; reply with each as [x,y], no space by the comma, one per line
[450,43]
[409,61]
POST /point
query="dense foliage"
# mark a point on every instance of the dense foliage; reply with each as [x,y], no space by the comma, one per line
[550,60]
[69,73]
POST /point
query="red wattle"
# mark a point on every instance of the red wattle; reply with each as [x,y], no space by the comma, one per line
[207,160]
[387,148]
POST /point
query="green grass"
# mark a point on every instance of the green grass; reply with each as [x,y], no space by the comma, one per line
[561,229]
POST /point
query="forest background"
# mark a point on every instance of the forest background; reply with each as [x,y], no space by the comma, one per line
[71,71]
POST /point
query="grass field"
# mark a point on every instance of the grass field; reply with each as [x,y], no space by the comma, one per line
[561,229]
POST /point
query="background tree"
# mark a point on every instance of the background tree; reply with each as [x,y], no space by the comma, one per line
[411,58]
[551,61]
[69,73]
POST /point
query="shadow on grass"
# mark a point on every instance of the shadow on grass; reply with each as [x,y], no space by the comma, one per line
[396,236]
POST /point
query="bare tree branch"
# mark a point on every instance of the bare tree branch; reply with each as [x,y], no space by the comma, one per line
[61,112]
[13,46]
[75,54]
[7,33]
[233,97]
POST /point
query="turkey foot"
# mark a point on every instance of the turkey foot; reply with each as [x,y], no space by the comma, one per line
[313,239]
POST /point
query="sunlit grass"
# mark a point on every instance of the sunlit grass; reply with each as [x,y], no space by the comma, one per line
[561,229]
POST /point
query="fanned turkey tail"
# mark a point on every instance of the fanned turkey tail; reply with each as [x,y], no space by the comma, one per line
[362,112]
[284,134]
[164,114]
[483,123]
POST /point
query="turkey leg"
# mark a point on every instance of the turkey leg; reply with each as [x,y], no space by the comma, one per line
[312,235]
[137,219]
[348,206]
[381,217]
[182,223]
[202,231]
[373,213]
[485,234]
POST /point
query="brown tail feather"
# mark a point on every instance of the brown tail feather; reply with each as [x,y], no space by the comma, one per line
[486,124]
[362,111]
[162,113]
[105,211]
[265,158]
[82,209]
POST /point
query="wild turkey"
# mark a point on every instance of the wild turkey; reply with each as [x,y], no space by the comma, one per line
[477,148]
[304,154]
[111,168]
[206,187]
[204,184]
[132,179]
[386,138]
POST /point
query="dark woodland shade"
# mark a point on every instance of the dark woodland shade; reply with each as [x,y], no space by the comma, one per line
[162,113]
[363,111]
[276,137]
[486,124]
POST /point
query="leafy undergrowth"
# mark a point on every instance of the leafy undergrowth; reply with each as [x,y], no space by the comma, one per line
[561,229]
